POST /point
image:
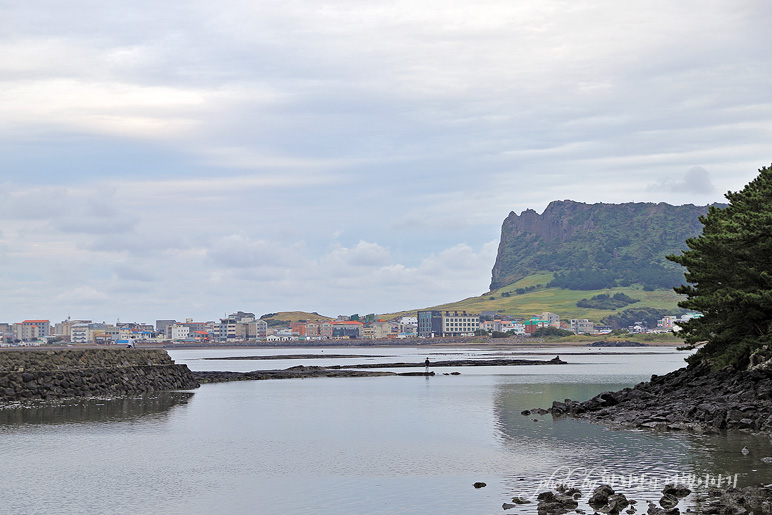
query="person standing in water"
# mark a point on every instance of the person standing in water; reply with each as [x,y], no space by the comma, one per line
[426,363]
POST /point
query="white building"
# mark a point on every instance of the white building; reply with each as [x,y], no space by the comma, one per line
[180,332]
[463,324]
[581,326]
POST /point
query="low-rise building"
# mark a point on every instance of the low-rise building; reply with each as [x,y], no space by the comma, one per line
[581,326]
[459,324]
[347,329]
[535,323]
[551,318]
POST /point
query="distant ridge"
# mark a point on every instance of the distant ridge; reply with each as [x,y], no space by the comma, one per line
[596,246]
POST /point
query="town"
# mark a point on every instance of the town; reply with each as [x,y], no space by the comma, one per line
[246,327]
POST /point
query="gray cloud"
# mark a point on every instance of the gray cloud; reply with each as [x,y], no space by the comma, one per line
[696,181]
[358,147]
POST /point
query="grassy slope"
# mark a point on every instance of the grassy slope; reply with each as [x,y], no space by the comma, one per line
[555,300]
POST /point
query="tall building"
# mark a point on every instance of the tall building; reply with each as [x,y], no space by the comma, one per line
[429,323]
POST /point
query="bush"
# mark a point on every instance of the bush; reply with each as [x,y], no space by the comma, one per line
[551,331]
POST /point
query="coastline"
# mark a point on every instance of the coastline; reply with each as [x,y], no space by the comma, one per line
[515,342]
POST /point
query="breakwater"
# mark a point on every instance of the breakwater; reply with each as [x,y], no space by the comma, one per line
[56,374]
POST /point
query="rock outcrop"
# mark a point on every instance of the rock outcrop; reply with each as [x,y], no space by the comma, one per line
[627,240]
[48,374]
[693,398]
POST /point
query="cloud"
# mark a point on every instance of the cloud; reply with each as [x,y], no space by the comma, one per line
[239,251]
[696,181]
[363,254]
[349,153]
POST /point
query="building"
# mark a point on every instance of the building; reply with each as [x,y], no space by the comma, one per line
[535,323]
[79,333]
[30,330]
[257,330]
[180,332]
[347,329]
[459,324]
[551,318]
[325,330]
[429,323]
[299,328]
[498,325]
[163,327]
[242,317]
[230,329]
[581,326]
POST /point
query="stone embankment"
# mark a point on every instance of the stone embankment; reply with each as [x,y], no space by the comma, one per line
[693,398]
[56,374]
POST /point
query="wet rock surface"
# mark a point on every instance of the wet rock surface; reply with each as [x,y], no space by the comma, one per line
[302,371]
[61,374]
[751,500]
[695,399]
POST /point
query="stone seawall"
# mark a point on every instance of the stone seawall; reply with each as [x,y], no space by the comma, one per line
[55,374]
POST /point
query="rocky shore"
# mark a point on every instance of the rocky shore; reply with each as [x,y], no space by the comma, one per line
[694,398]
[603,499]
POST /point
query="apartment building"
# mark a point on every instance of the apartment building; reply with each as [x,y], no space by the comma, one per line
[581,326]
[459,324]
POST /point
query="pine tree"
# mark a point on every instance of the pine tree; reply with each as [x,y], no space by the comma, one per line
[729,276]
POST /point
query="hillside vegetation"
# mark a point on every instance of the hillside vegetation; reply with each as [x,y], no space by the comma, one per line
[596,246]
[535,298]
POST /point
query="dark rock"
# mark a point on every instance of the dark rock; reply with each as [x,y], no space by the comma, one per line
[600,495]
[677,490]
[520,500]
[668,501]
[480,484]
[555,504]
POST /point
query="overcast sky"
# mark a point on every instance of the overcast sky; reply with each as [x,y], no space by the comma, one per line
[165,159]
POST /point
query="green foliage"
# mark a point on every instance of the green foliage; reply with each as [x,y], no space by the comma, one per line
[631,316]
[729,278]
[606,301]
[542,332]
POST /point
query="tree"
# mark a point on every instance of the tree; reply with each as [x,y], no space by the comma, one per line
[729,278]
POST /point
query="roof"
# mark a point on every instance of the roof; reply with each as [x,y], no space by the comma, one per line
[36,322]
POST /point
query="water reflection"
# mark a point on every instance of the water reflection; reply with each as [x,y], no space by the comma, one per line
[89,411]
[547,452]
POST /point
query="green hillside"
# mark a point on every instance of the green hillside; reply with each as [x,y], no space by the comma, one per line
[537,298]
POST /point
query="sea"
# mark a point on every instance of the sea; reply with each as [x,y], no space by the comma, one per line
[365,445]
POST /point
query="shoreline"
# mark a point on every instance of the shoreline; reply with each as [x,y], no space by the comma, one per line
[450,342]
[693,399]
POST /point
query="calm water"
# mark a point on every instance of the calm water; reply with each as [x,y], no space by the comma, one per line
[382,445]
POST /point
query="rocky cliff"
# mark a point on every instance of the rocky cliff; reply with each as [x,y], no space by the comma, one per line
[598,245]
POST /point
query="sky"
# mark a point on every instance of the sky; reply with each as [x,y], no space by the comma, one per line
[172,160]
